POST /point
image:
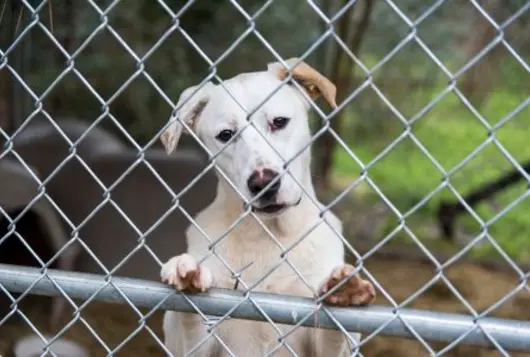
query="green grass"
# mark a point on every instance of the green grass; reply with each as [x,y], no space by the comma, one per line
[451,133]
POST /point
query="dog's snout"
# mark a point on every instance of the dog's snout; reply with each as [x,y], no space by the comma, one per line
[260,179]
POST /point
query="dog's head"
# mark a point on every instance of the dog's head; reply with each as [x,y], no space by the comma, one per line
[254,156]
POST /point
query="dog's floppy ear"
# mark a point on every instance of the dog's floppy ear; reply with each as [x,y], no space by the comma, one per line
[314,83]
[191,103]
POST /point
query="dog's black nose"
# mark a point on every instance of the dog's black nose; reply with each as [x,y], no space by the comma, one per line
[260,179]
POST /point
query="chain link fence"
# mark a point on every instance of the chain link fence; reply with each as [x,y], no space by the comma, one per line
[32,180]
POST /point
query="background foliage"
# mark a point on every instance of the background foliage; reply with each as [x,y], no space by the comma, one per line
[410,79]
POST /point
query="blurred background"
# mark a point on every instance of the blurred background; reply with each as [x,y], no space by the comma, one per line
[433,98]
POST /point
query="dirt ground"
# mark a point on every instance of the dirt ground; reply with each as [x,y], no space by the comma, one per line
[481,287]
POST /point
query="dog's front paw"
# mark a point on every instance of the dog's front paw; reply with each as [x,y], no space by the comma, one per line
[184,273]
[355,291]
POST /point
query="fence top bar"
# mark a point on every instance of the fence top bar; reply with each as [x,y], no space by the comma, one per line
[432,326]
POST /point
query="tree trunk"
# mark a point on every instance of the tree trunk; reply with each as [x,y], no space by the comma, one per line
[64,17]
[341,75]
[477,82]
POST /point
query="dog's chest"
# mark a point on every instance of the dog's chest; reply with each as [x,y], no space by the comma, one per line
[266,267]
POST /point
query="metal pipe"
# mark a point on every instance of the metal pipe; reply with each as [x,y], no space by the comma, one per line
[432,326]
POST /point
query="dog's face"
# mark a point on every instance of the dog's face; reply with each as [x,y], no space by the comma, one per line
[258,132]
[257,153]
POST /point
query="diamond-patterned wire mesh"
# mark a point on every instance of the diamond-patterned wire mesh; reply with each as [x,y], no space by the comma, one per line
[35,19]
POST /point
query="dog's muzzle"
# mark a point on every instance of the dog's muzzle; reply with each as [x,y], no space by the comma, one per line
[275,208]
[267,201]
[260,180]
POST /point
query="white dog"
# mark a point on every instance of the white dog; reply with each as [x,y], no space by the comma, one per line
[285,203]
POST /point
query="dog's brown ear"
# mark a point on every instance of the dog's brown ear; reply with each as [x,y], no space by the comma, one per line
[314,83]
[191,103]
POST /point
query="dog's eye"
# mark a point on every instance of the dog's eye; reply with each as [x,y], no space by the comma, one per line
[225,135]
[279,123]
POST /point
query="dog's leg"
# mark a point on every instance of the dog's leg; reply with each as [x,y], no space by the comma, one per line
[184,273]
[183,331]
[334,343]
[354,292]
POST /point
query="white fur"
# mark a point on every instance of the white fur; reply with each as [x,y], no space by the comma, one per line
[315,257]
